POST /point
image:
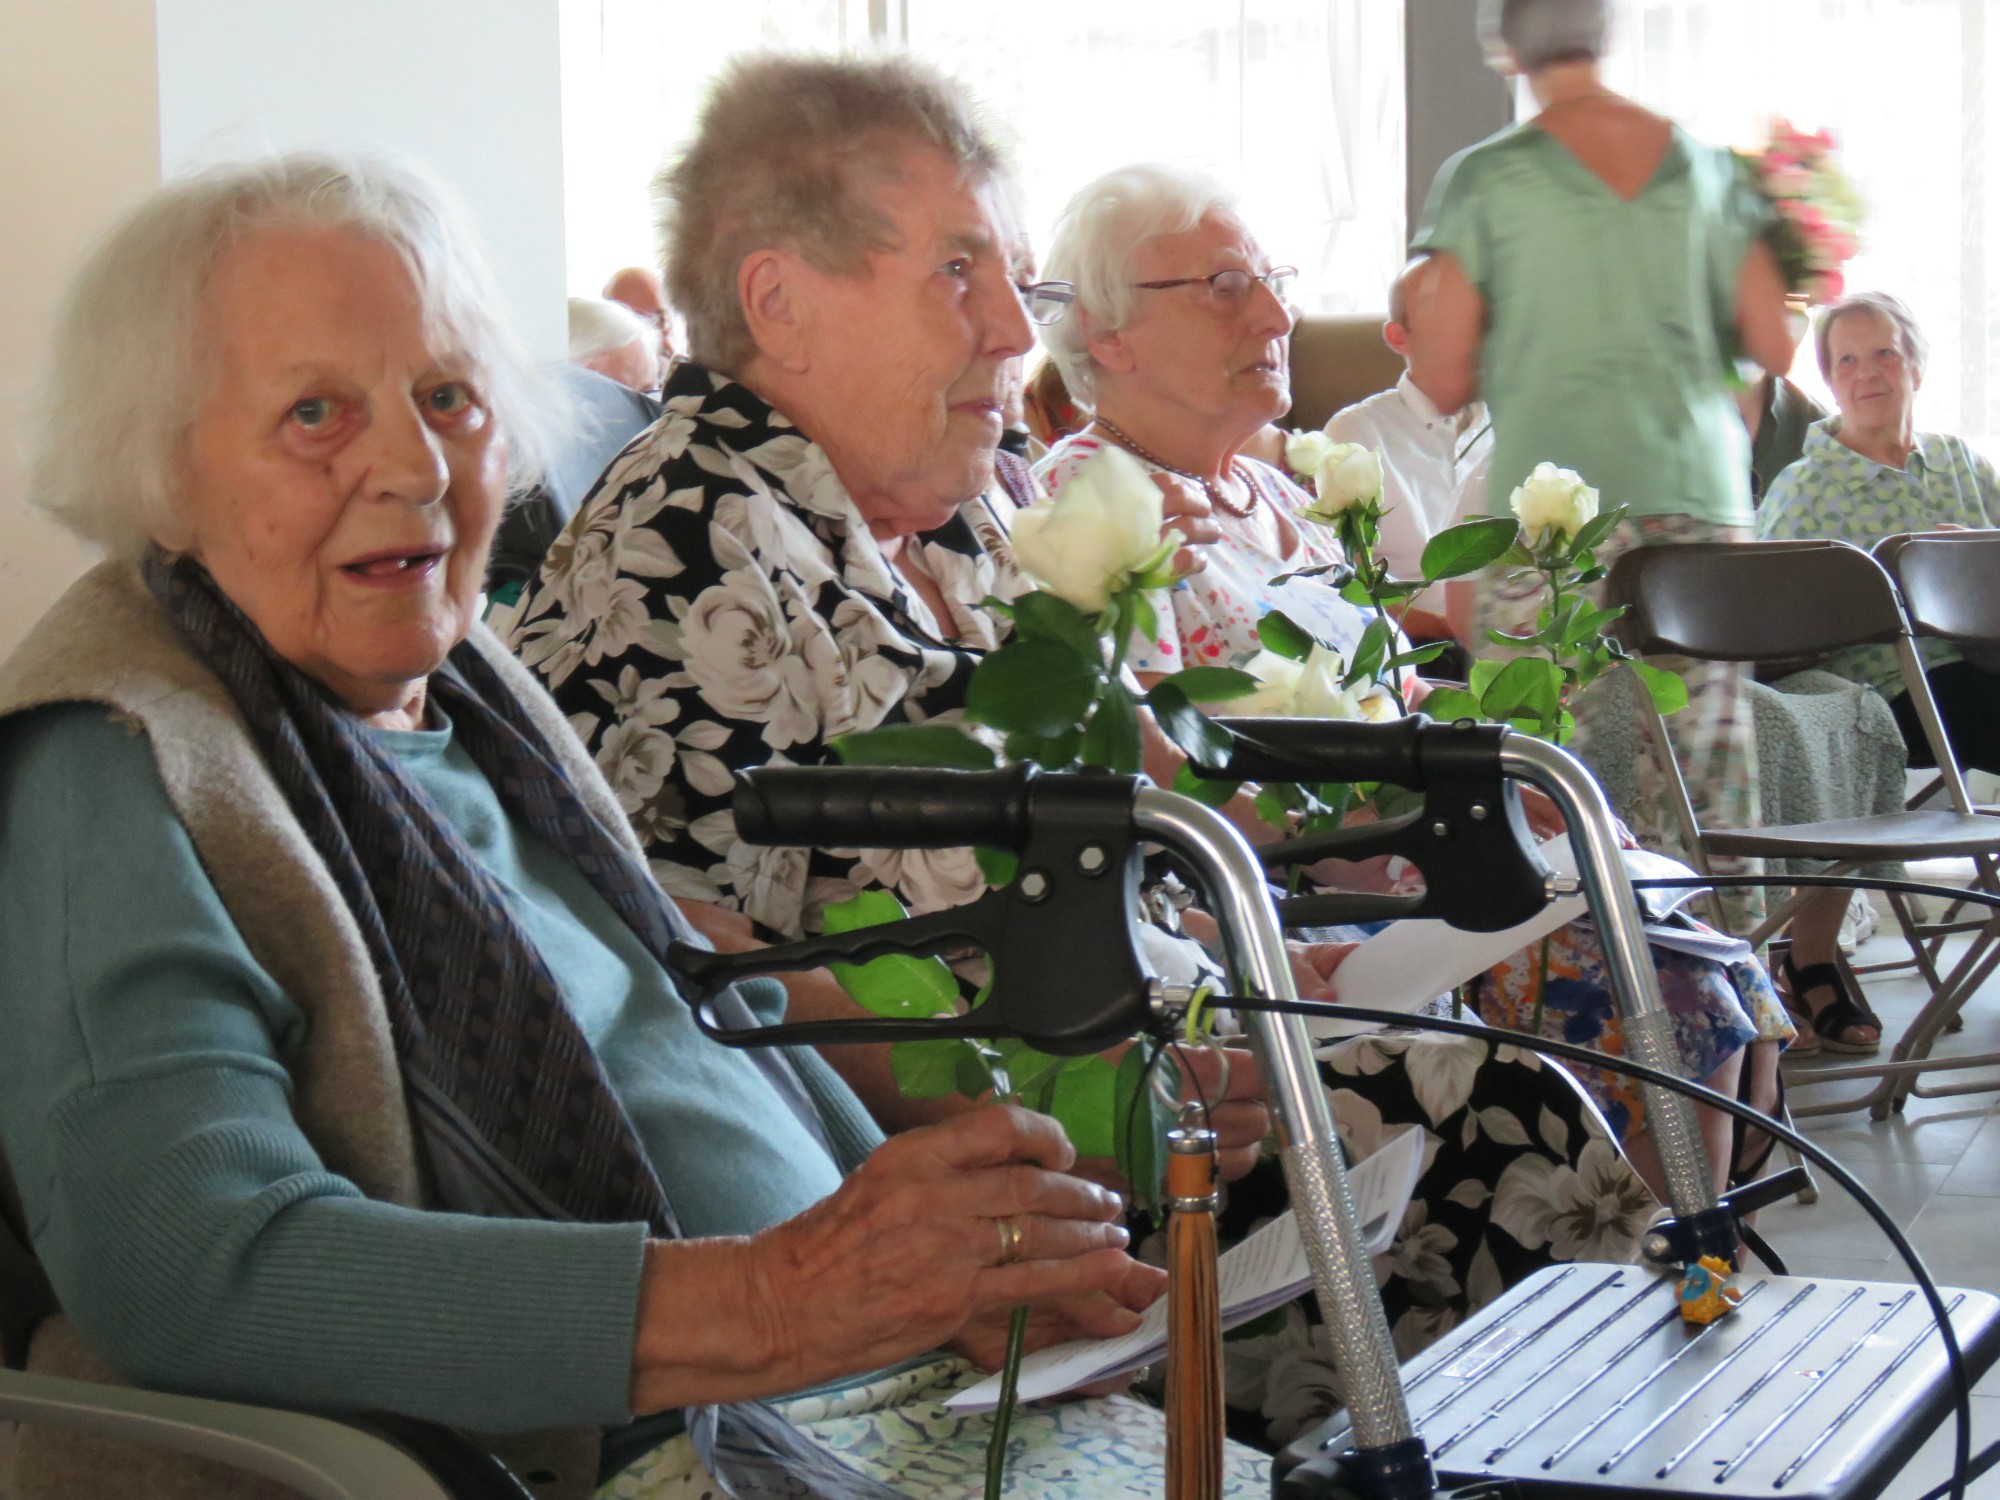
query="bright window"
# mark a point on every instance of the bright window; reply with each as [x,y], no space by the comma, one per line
[1907,88]
[1298,104]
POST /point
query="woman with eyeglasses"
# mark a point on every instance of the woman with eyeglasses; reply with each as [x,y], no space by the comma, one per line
[1178,346]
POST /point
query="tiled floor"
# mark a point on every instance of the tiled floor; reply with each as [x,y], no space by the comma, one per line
[1936,1168]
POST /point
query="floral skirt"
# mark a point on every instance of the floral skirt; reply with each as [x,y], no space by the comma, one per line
[1519,1172]
[897,1430]
[1716,1010]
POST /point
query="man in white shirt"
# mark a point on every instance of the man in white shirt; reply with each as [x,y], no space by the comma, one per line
[1426,455]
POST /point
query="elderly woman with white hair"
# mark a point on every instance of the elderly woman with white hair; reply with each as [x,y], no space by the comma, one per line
[344,1070]
[1868,473]
[616,342]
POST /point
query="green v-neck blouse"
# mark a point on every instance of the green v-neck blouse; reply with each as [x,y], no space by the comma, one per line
[1610,321]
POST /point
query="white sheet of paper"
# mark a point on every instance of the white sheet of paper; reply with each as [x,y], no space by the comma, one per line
[1407,965]
[1267,1270]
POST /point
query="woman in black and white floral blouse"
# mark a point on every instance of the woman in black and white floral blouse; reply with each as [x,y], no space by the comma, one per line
[803,548]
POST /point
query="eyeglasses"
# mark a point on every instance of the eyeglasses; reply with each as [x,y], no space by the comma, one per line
[1227,289]
[1046,301]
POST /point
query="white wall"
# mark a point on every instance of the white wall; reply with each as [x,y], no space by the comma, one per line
[97,97]
[79,142]
[472,88]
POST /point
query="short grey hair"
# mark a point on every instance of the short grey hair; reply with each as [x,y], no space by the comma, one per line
[1095,244]
[1542,32]
[1909,337]
[598,326]
[778,160]
[131,369]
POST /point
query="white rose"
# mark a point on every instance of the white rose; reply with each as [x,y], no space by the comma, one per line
[1554,499]
[1306,451]
[1102,528]
[1300,690]
[1280,678]
[1348,475]
[1319,694]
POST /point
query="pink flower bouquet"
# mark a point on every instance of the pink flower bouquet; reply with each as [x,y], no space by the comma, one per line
[1819,209]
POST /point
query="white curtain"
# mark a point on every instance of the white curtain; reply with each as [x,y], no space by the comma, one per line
[1907,87]
[1298,104]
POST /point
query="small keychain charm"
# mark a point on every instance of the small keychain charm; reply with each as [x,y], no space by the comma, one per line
[1194,1313]
[1706,1294]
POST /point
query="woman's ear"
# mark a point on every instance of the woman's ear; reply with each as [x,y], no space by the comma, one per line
[770,285]
[1109,347]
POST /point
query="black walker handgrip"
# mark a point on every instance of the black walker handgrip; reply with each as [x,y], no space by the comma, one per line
[883,807]
[1301,750]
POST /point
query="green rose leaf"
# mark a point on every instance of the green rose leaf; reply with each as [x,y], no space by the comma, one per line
[1669,691]
[914,745]
[1111,739]
[1527,687]
[1450,704]
[928,1069]
[1595,530]
[897,984]
[1210,793]
[997,865]
[1032,1074]
[1283,636]
[1369,652]
[1200,738]
[1140,1124]
[1482,675]
[1032,687]
[1213,684]
[1085,1104]
[1056,752]
[1416,656]
[1042,616]
[1468,547]
[1145,619]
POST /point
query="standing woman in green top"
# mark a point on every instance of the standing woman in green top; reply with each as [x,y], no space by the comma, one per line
[1593,272]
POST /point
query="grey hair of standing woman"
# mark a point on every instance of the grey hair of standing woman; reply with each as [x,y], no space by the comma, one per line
[1909,337]
[1541,32]
[131,365]
[784,156]
[1093,245]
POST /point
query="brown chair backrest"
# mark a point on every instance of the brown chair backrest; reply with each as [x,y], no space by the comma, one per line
[1950,582]
[1752,601]
[1336,361]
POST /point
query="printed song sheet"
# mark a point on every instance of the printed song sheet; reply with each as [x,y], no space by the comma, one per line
[1267,1270]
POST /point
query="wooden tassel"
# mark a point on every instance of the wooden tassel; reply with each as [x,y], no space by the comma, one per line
[1194,1314]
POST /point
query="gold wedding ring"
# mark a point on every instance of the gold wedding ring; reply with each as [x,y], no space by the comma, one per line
[1011,1238]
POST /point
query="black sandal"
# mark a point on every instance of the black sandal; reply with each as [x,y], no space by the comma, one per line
[1837,1017]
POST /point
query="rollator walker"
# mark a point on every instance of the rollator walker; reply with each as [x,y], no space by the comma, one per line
[1583,1381]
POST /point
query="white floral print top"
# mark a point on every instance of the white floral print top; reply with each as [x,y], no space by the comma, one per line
[717,604]
[1210,619]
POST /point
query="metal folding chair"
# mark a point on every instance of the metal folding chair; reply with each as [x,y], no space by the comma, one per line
[1783,601]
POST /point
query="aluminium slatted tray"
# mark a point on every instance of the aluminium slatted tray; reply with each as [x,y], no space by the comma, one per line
[1582,1383]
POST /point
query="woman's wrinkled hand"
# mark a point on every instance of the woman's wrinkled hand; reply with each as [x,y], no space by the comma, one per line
[902,1258]
[1107,1314]
[1237,1113]
[1184,508]
[1313,965]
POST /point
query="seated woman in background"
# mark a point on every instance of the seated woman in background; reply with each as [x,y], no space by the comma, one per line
[1867,474]
[809,544]
[1176,343]
[343,1069]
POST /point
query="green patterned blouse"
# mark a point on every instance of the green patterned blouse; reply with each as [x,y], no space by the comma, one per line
[1834,494]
